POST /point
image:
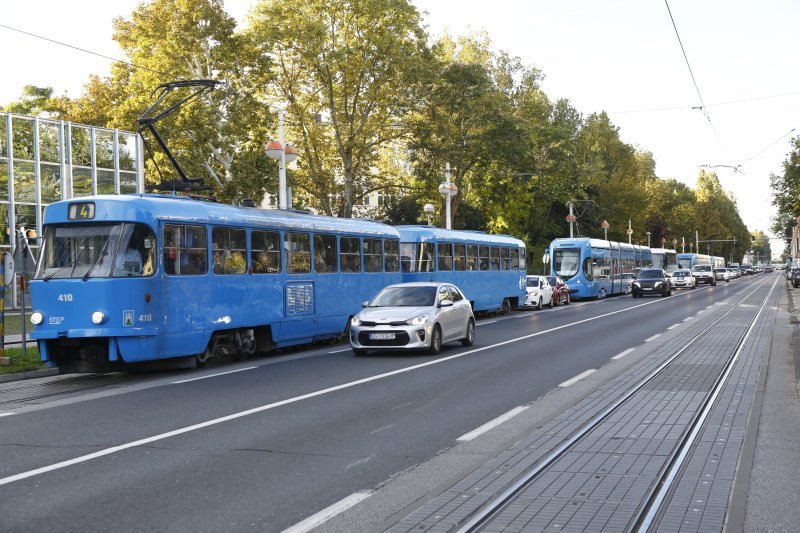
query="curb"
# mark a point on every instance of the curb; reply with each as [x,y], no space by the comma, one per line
[30,374]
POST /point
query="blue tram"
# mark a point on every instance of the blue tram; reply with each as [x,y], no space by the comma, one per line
[666,259]
[125,279]
[591,267]
[489,269]
[692,259]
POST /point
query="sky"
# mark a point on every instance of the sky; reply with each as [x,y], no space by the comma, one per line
[738,106]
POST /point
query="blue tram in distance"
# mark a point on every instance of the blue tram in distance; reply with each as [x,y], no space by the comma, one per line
[489,269]
[590,267]
[689,260]
[134,278]
[666,259]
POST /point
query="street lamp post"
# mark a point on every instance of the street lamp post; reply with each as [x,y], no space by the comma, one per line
[448,190]
[629,231]
[284,153]
[648,238]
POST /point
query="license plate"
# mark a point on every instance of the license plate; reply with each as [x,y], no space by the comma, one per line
[381,336]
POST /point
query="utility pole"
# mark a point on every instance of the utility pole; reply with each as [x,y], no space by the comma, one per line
[570,218]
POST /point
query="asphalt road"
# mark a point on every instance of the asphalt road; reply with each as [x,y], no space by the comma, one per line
[264,444]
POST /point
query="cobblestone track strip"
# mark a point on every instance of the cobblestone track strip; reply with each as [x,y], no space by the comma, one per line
[598,481]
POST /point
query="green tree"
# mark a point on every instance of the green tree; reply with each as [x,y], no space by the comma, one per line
[346,71]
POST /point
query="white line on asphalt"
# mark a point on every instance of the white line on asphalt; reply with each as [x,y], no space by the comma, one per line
[489,322]
[688,318]
[654,337]
[578,378]
[492,424]
[623,354]
[314,394]
[340,351]
[214,375]
[6,414]
[326,514]
[673,326]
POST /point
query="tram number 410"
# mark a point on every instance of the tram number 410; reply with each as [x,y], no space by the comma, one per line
[66,297]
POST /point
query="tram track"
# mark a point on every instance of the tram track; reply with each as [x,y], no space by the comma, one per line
[648,512]
[22,392]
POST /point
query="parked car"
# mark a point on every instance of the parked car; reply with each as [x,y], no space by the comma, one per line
[683,278]
[415,316]
[626,278]
[538,292]
[704,274]
[722,274]
[652,281]
[560,290]
[795,277]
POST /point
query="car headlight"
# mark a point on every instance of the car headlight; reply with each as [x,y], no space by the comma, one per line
[36,318]
[355,321]
[417,320]
[658,284]
[98,317]
[636,284]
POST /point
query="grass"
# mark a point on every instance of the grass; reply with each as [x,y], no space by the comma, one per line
[18,363]
[13,324]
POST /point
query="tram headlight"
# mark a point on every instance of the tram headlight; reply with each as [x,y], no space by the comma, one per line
[98,317]
[36,318]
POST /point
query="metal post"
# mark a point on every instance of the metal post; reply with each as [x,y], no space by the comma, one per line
[571,219]
[281,164]
[2,304]
[447,197]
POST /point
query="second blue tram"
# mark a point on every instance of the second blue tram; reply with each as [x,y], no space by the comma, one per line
[489,269]
[691,259]
[591,267]
[144,277]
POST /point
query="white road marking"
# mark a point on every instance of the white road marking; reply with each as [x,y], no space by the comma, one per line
[654,337]
[214,375]
[492,424]
[342,350]
[326,514]
[688,318]
[6,414]
[577,378]
[288,401]
[623,354]
[484,323]
[673,326]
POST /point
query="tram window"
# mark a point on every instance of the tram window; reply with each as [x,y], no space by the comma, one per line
[484,257]
[229,251]
[265,249]
[185,250]
[505,260]
[425,257]
[325,254]
[350,256]
[472,257]
[515,259]
[522,260]
[587,268]
[460,257]
[136,255]
[298,252]
[391,255]
[372,255]
[444,252]
[495,262]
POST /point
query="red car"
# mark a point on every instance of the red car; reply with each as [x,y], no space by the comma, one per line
[560,290]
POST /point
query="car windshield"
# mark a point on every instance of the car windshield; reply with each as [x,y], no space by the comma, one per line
[405,297]
[680,274]
[650,274]
[551,280]
[702,268]
[532,282]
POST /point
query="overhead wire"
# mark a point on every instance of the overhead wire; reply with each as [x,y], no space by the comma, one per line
[702,106]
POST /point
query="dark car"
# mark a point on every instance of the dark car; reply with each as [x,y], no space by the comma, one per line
[652,281]
[795,277]
[560,290]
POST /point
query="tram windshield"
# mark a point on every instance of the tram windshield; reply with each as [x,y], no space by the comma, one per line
[566,261]
[97,251]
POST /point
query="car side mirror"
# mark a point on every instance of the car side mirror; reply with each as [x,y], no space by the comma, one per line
[364,303]
[446,303]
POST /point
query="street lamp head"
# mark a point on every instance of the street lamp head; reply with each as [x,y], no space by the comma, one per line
[291,152]
[446,189]
[428,208]
[274,149]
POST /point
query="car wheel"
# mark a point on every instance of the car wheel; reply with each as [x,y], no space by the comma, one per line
[552,301]
[436,340]
[358,352]
[539,305]
[469,340]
